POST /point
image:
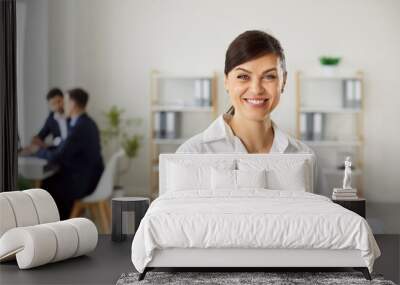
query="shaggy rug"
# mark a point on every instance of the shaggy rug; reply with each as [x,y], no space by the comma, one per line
[229,278]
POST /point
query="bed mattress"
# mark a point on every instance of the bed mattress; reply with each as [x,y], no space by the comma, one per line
[251,219]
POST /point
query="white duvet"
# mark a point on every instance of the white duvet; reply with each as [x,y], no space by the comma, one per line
[251,218]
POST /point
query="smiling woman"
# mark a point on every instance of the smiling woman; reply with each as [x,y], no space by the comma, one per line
[259,56]
[255,77]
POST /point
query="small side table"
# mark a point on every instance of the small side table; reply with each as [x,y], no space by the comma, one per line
[120,207]
[357,206]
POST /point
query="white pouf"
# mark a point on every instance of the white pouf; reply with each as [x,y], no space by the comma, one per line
[37,245]
[7,220]
[23,209]
[45,205]
[31,231]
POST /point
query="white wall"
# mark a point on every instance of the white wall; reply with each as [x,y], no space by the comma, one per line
[33,59]
[109,48]
[21,26]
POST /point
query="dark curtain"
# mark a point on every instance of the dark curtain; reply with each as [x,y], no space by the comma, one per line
[8,97]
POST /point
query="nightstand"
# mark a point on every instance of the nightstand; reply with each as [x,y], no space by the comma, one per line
[357,206]
[122,208]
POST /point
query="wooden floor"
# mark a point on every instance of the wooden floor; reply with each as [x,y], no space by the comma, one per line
[110,260]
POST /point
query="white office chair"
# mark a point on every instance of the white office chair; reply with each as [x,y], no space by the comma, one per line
[98,201]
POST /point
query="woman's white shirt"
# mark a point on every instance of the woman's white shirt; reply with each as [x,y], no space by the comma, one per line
[219,138]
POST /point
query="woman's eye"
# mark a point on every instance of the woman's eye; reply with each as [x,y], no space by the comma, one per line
[243,77]
[270,76]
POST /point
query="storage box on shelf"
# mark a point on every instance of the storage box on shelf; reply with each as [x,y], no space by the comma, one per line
[329,113]
[181,106]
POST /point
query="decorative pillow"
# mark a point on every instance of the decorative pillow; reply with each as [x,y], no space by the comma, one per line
[282,174]
[228,179]
[251,178]
[293,179]
[184,175]
[223,179]
[187,177]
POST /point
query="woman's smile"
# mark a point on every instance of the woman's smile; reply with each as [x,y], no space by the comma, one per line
[255,102]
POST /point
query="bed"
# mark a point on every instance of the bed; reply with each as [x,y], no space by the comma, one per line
[245,211]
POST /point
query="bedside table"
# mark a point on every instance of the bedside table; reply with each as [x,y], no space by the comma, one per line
[357,206]
[123,206]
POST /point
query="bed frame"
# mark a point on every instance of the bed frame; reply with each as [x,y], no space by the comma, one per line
[247,259]
[234,259]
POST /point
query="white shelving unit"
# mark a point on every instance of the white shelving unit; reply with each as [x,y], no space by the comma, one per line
[158,108]
[172,92]
[339,125]
[170,141]
[332,143]
[330,110]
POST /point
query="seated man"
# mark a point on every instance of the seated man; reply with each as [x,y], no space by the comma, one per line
[55,125]
[79,156]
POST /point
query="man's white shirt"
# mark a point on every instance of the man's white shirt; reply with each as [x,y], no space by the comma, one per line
[62,124]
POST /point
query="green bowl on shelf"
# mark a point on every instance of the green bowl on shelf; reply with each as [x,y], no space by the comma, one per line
[329,60]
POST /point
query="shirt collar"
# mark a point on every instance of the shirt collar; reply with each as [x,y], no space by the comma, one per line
[219,130]
[281,140]
[57,116]
[73,120]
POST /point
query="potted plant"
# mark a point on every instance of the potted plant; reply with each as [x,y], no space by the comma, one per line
[329,64]
[119,133]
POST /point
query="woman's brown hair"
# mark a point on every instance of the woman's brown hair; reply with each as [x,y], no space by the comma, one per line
[251,45]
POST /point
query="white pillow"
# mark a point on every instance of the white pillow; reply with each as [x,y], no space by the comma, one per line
[183,175]
[251,178]
[187,177]
[223,179]
[282,174]
[236,179]
[293,179]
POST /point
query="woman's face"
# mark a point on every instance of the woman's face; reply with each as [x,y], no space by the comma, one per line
[255,87]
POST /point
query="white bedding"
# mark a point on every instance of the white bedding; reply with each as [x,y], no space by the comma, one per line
[250,218]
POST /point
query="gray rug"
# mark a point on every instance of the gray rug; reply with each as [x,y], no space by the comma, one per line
[228,278]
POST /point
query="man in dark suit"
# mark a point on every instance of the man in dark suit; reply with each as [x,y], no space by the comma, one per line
[55,125]
[79,156]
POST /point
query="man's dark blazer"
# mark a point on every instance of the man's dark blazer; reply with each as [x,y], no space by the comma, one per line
[50,127]
[79,158]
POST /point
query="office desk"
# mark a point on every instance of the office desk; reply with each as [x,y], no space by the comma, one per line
[36,169]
